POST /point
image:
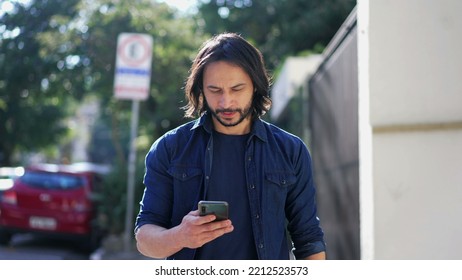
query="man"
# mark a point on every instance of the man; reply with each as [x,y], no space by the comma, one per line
[229,154]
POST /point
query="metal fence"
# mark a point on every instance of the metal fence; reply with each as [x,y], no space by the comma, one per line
[333,118]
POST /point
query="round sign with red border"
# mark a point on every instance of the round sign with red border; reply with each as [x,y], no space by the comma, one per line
[134,50]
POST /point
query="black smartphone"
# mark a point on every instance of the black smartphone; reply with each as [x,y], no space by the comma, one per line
[217,208]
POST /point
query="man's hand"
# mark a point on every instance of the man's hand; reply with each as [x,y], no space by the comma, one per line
[195,231]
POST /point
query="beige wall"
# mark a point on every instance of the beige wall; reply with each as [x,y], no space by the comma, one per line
[410,100]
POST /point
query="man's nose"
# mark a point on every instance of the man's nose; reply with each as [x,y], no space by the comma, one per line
[226,99]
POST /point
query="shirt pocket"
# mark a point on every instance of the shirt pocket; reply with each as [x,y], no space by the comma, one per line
[276,187]
[186,175]
[282,179]
[187,184]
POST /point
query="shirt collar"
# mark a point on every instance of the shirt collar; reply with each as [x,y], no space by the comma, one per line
[258,128]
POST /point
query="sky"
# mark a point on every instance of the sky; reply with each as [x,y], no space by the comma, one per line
[182,5]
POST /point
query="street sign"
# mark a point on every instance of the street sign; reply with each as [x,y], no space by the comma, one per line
[133,66]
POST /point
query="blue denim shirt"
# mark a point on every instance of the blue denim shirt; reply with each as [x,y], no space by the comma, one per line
[280,186]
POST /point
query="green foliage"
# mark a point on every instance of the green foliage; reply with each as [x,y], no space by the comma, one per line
[279,28]
[27,106]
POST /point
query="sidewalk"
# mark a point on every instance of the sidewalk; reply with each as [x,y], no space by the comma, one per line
[101,254]
[112,248]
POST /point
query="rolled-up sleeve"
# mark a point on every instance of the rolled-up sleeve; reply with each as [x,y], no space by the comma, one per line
[156,203]
[303,222]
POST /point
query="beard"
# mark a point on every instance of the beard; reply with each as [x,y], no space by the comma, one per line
[243,114]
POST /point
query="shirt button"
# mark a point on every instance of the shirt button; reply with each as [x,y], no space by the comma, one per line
[260,246]
[252,187]
[207,177]
[257,216]
[249,158]
[183,175]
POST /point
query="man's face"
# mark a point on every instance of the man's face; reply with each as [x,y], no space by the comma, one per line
[228,91]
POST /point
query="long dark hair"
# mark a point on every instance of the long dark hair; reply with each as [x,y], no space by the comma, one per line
[232,48]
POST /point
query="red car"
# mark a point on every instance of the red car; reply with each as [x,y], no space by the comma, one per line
[53,199]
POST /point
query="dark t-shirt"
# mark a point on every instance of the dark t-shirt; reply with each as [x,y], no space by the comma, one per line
[228,183]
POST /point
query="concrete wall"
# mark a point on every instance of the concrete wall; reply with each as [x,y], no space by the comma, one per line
[410,128]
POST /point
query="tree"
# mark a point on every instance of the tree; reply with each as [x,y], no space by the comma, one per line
[31,112]
[279,28]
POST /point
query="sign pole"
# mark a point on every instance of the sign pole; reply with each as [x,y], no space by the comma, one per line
[131,175]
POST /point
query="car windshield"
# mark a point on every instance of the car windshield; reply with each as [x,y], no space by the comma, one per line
[52,180]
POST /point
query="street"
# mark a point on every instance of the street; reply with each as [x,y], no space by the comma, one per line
[31,247]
